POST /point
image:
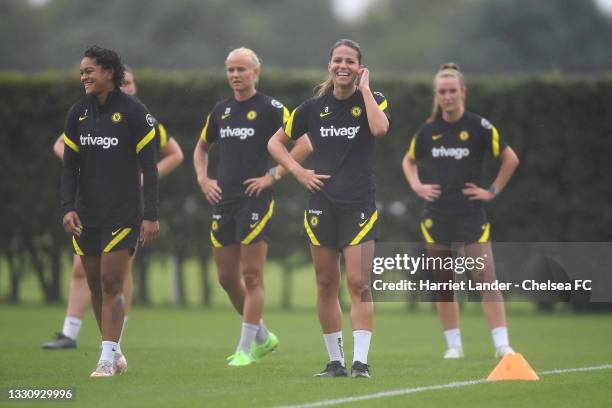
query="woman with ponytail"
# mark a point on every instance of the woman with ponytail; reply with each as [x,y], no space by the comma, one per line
[455,141]
[343,122]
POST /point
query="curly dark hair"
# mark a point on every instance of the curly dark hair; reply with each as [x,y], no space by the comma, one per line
[107,59]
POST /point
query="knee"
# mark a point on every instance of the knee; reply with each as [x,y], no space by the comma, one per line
[252,278]
[78,272]
[357,287]
[94,284]
[228,282]
[327,284]
[112,284]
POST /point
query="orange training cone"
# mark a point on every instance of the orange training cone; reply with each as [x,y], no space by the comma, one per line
[513,367]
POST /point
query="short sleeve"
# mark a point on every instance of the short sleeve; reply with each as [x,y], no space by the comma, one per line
[417,148]
[297,124]
[210,130]
[142,126]
[493,142]
[162,135]
[280,112]
[382,102]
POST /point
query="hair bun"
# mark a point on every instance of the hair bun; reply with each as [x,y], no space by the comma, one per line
[450,65]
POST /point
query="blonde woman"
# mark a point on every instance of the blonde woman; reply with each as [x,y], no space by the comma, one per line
[242,200]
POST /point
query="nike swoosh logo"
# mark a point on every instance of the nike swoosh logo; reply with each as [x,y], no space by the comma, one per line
[253,225]
[323,114]
[361,224]
[115,232]
[82,118]
[225,116]
[436,137]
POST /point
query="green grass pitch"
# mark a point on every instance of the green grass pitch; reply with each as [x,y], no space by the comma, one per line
[177,359]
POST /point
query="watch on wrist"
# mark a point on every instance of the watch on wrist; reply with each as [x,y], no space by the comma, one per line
[493,190]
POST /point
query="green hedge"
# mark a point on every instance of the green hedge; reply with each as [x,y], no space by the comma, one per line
[558,126]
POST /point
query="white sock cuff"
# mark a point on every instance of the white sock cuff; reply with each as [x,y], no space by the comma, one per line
[72,327]
[361,345]
[109,348]
[250,326]
[500,336]
[453,338]
[334,345]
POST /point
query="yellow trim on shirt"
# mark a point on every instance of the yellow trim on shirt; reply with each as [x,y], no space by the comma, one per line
[383,105]
[70,143]
[145,140]
[205,129]
[163,136]
[412,148]
[289,124]
[495,142]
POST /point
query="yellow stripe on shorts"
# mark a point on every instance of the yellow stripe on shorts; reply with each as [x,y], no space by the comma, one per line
[257,230]
[313,239]
[214,241]
[77,248]
[485,235]
[426,235]
[365,229]
[117,239]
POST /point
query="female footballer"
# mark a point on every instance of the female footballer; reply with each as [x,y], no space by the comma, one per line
[455,142]
[242,200]
[108,141]
[79,296]
[343,122]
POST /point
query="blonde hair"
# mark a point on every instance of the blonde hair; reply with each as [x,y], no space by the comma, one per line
[328,84]
[448,70]
[250,54]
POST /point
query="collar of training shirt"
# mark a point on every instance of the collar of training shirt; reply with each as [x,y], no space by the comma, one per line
[110,99]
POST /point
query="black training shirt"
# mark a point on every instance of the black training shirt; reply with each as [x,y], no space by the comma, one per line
[242,130]
[455,153]
[105,149]
[343,144]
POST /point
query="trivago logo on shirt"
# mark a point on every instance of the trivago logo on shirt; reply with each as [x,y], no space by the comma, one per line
[105,142]
[348,132]
[457,153]
[241,133]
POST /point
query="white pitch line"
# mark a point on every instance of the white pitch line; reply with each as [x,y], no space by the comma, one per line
[414,390]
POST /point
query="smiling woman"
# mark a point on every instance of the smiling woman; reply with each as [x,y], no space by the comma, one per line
[343,121]
[107,142]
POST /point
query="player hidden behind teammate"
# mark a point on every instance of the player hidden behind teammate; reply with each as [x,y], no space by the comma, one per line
[455,142]
[242,201]
[343,122]
[109,138]
[79,296]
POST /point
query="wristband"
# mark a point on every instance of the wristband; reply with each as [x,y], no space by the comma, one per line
[274,173]
[493,190]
